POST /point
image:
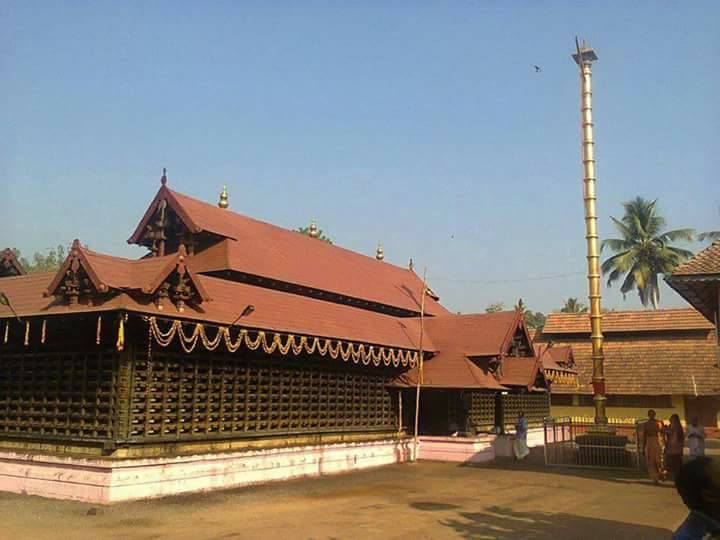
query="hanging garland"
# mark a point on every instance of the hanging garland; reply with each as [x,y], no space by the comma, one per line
[295,344]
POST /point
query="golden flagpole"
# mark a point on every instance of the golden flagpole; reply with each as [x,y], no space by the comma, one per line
[584,57]
[420,366]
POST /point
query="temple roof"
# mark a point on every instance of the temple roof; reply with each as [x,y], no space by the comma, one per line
[274,310]
[9,265]
[257,248]
[706,261]
[627,321]
[698,281]
[658,352]
[470,347]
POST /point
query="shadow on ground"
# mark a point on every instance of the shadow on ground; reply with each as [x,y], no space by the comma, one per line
[503,523]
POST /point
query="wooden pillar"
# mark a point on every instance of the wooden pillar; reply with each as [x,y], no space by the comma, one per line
[123,395]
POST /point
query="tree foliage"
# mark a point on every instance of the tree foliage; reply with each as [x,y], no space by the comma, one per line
[643,251]
[49,262]
[573,305]
[495,307]
[321,236]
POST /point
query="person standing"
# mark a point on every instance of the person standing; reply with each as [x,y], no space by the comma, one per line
[520,447]
[651,433]
[695,439]
[674,445]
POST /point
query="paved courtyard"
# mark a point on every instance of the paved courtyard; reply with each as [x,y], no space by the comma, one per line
[426,500]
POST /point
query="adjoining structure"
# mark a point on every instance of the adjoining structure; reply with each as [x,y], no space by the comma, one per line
[234,352]
[660,359]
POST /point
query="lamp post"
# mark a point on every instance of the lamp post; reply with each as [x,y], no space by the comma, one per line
[584,57]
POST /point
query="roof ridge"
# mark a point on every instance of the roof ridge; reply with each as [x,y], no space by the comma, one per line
[325,245]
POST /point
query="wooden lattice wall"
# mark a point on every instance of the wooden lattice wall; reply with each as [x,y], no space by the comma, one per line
[59,394]
[535,406]
[178,396]
[482,410]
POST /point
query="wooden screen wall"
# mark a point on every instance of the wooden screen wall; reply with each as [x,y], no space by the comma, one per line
[69,395]
[482,410]
[201,396]
[535,406]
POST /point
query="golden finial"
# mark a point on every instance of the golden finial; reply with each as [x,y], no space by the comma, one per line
[223,203]
[379,253]
[314,231]
[410,264]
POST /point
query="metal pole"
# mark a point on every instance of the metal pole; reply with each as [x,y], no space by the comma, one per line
[420,364]
[584,58]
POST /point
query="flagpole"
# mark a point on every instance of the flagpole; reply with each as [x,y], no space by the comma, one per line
[420,365]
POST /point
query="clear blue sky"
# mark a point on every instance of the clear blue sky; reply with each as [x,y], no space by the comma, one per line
[421,124]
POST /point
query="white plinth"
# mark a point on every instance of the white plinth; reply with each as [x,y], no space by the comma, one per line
[105,481]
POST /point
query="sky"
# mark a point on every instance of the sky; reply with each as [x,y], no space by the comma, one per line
[422,125]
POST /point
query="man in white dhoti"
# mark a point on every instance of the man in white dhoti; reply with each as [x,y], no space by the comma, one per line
[520,447]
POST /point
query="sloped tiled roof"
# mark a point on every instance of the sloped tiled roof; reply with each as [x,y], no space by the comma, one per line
[274,310]
[465,344]
[627,321]
[667,360]
[706,261]
[260,249]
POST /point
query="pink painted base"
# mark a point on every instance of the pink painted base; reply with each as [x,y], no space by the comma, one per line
[104,481]
[474,449]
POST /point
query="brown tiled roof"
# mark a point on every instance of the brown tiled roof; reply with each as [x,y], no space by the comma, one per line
[274,310]
[627,321]
[478,334]
[260,249]
[9,265]
[706,261]
[520,371]
[465,345]
[669,360]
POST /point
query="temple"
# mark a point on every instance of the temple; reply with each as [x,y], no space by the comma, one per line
[236,352]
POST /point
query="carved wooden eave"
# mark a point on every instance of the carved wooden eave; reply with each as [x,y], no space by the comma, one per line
[76,280]
[9,265]
[517,331]
[177,283]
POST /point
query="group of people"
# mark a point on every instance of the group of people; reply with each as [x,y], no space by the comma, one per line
[663,445]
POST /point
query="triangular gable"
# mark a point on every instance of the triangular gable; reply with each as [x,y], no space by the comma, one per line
[76,277]
[175,282]
[9,265]
[517,331]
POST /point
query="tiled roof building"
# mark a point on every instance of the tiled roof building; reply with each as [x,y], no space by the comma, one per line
[664,359]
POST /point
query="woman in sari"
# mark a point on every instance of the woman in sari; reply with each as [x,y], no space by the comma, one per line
[674,444]
[652,431]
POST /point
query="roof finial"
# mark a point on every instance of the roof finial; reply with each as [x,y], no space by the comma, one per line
[379,253]
[223,203]
[314,231]
[163,179]
[410,264]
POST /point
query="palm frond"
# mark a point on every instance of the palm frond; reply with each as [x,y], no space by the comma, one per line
[709,235]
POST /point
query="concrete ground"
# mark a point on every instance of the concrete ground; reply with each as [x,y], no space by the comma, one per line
[504,500]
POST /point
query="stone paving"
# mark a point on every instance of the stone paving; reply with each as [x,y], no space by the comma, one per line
[504,500]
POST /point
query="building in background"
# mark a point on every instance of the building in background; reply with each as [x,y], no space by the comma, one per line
[654,359]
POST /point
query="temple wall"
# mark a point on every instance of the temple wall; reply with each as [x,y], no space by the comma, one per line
[103,481]
[624,415]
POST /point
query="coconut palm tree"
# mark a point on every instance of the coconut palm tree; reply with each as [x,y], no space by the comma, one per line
[644,250]
[573,305]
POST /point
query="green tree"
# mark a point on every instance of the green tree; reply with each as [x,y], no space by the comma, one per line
[49,262]
[573,305]
[495,307]
[320,235]
[534,319]
[644,250]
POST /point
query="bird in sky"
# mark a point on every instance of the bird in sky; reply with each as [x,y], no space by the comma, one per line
[538,69]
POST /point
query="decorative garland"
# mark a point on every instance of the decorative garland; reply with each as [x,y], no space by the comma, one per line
[295,344]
